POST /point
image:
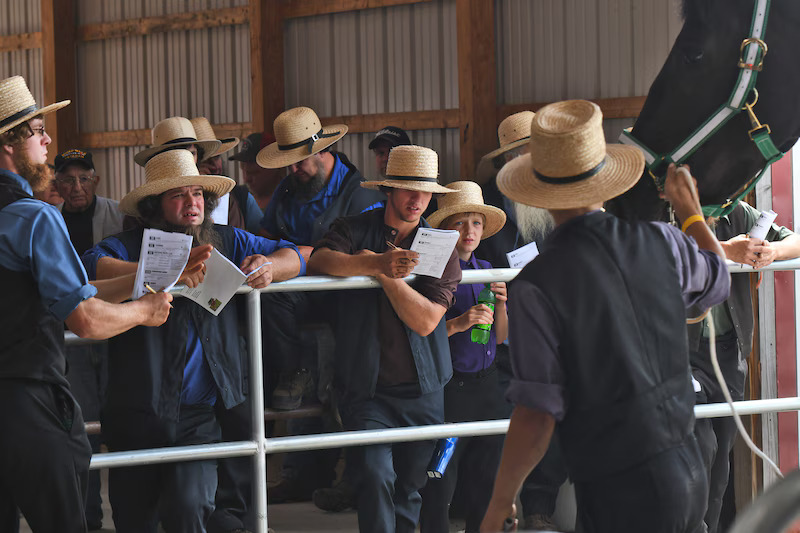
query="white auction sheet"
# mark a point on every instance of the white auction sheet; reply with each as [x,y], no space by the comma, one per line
[762,225]
[434,246]
[162,259]
[523,255]
[220,214]
[219,284]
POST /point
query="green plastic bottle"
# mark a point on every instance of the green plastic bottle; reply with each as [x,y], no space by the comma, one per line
[480,332]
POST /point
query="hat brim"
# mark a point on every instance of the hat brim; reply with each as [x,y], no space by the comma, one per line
[273,157]
[424,186]
[505,148]
[226,146]
[219,185]
[486,166]
[142,157]
[495,217]
[623,168]
[43,111]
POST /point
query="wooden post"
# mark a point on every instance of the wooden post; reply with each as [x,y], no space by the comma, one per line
[477,88]
[59,72]
[266,62]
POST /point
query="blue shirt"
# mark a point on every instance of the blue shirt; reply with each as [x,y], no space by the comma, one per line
[299,216]
[198,383]
[469,356]
[34,238]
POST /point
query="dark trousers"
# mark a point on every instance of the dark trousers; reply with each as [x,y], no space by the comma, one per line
[180,495]
[44,458]
[389,476]
[665,494]
[233,502]
[718,443]
[467,398]
[540,489]
[87,373]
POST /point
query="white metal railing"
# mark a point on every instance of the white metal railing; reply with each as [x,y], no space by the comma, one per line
[260,446]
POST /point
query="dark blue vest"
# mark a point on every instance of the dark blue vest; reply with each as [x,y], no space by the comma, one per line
[622,342]
[31,338]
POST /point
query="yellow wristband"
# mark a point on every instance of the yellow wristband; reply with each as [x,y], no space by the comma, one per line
[691,220]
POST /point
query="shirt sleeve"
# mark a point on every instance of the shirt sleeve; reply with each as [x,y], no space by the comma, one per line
[703,275]
[338,238]
[109,247]
[254,215]
[443,290]
[538,380]
[247,244]
[55,265]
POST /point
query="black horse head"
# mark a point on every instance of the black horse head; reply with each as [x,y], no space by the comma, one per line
[697,78]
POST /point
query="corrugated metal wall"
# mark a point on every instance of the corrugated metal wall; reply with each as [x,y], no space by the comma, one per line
[22,16]
[557,49]
[133,82]
[378,61]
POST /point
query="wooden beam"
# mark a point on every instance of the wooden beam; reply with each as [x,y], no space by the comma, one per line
[411,120]
[477,90]
[143,137]
[266,63]
[195,20]
[59,71]
[308,8]
[626,107]
[21,41]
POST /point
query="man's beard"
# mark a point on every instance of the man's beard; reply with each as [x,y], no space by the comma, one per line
[38,176]
[308,190]
[205,233]
[534,223]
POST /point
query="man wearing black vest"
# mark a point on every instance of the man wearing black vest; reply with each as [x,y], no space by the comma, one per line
[44,452]
[165,385]
[392,353]
[598,334]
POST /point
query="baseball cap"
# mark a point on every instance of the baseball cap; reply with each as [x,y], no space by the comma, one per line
[391,134]
[72,157]
[251,146]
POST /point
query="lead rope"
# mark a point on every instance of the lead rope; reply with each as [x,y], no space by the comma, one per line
[736,417]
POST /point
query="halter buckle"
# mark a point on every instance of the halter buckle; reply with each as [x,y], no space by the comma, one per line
[758,42]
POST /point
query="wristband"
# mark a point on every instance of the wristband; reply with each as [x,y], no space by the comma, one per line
[691,220]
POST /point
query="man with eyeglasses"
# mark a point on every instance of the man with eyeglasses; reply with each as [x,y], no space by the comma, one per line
[89,219]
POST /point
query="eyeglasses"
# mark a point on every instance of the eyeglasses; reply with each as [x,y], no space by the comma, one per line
[82,180]
[37,130]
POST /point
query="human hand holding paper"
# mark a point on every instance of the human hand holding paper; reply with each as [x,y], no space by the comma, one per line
[195,269]
[258,270]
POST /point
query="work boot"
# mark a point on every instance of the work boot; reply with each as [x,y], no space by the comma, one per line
[338,498]
[539,522]
[291,389]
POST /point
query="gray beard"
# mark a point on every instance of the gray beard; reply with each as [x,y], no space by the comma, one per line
[306,191]
[203,234]
[533,223]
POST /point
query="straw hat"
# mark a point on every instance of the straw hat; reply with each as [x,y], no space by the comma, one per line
[569,164]
[514,131]
[299,134]
[411,167]
[17,104]
[175,132]
[468,199]
[203,130]
[168,170]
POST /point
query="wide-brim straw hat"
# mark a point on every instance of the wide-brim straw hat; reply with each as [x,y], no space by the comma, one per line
[169,170]
[298,134]
[514,131]
[18,105]
[410,167]
[569,164]
[468,198]
[203,130]
[174,132]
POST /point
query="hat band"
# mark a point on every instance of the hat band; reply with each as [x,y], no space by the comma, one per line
[18,115]
[310,141]
[571,179]
[528,138]
[411,178]
[181,140]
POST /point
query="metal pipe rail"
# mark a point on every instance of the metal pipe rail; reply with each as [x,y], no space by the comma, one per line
[259,446]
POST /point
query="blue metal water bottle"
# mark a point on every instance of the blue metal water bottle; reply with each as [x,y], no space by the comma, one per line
[441,456]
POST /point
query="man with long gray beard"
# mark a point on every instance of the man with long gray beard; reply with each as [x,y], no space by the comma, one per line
[44,452]
[525,224]
[320,187]
[163,384]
